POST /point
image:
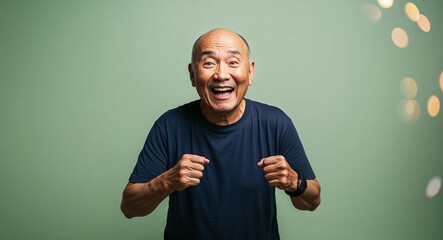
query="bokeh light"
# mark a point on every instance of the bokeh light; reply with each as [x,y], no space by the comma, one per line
[400,37]
[372,12]
[433,106]
[433,187]
[385,3]
[412,11]
[423,23]
[408,87]
[409,110]
[441,81]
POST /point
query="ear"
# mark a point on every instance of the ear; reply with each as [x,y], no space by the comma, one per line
[251,72]
[191,74]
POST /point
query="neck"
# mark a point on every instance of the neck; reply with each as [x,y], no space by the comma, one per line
[225,118]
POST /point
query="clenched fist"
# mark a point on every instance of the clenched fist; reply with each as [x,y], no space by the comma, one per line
[188,171]
[278,173]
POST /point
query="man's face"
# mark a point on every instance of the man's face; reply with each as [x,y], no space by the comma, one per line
[222,71]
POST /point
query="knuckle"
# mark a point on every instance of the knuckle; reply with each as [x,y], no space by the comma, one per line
[182,172]
[282,165]
[284,172]
[182,181]
[285,181]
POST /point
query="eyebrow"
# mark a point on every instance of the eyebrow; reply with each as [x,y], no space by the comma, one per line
[207,53]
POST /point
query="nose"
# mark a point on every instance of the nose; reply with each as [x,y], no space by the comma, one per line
[222,72]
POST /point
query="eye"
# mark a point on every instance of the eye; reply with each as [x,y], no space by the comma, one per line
[208,64]
[233,62]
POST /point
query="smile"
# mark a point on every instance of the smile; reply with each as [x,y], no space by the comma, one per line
[222,90]
[222,93]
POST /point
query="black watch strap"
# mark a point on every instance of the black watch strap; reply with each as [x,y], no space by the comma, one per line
[301,187]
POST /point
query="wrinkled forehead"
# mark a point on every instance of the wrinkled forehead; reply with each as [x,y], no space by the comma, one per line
[220,41]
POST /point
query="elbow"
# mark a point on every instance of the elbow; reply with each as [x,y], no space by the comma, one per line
[316,200]
[314,205]
[128,209]
[131,212]
[310,203]
[126,212]
[128,215]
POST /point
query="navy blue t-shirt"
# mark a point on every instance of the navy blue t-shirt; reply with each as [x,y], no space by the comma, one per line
[233,200]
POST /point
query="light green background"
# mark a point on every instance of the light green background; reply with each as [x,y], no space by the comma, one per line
[83,81]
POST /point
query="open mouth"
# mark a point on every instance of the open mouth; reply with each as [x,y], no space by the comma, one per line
[222,90]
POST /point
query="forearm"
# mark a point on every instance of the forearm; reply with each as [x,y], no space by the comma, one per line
[310,199]
[140,199]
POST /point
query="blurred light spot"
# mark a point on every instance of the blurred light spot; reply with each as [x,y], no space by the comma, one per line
[424,24]
[372,12]
[433,187]
[441,80]
[385,3]
[408,87]
[399,37]
[433,106]
[409,111]
[412,11]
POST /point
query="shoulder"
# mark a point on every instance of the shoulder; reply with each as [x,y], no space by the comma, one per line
[267,111]
[178,114]
[175,121]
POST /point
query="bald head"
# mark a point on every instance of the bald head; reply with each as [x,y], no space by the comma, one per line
[214,34]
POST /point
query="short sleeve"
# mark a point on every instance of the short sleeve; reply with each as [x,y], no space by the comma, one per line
[292,149]
[152,158]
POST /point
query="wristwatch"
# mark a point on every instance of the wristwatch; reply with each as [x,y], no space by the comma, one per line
[301,187]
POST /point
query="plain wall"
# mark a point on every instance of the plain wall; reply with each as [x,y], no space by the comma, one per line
[83,81]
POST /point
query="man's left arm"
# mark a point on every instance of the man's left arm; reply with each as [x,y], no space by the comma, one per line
[310,199]
[279,174]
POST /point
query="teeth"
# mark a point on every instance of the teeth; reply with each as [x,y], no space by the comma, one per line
[222,89]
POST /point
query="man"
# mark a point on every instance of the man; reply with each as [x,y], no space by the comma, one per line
[220,158]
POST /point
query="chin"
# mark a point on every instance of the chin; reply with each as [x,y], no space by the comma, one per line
[224,109]
[217,106]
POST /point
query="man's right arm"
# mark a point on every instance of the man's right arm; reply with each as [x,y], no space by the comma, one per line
[140,199]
